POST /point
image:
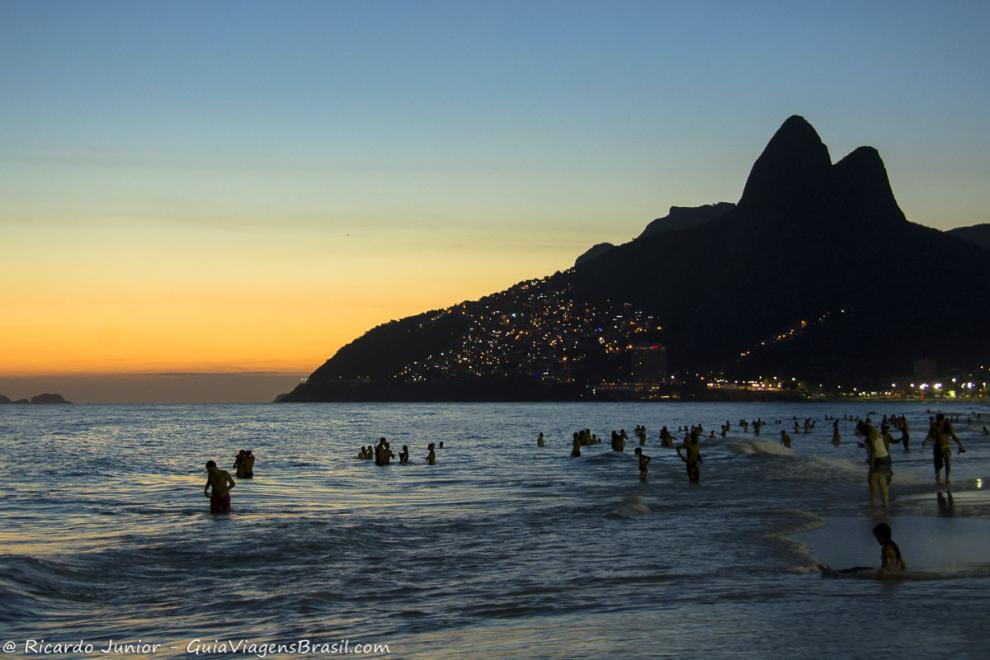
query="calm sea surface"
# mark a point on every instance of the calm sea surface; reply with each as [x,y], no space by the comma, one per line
[500,549]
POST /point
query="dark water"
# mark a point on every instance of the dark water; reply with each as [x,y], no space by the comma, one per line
[501,549]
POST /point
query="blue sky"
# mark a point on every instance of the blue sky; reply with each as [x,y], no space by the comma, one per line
[666,102]
[381,158]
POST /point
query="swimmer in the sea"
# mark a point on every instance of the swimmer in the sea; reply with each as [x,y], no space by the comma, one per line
[836,437]
[431,457]
[404,455]
[539,440]
[381,452]
[244,464]
[238,463]
[692,456]
[785,439]
[576,446]
[644,462]
[891,561]
[666,438]
[221,483]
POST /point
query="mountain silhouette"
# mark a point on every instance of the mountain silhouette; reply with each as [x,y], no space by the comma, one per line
[593,252]
[684,217]
[976,234]
[815,274]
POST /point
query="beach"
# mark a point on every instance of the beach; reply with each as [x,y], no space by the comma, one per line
[501,549]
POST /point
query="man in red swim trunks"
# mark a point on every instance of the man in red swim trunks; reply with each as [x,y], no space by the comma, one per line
[222,483]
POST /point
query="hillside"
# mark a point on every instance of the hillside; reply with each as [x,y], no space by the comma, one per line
[975,234]
[814,274]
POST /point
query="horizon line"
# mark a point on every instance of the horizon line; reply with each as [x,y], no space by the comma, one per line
[125,374]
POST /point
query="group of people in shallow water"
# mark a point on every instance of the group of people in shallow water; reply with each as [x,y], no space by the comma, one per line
[219,482]
[877,443]
[689,450]
[383,454]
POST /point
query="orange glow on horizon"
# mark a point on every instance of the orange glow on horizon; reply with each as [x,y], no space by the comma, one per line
[233,304]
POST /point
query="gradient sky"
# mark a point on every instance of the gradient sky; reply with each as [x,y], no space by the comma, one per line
[247,186]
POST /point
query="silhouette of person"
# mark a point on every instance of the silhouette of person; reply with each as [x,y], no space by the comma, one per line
[382,452]
[891,561]
[941,432]
[880,472]
[692,456]
[244,464]
[644,463]
[221,483]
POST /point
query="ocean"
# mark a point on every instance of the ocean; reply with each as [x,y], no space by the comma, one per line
[501,549]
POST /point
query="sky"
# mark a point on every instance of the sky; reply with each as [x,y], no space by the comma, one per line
[242,188]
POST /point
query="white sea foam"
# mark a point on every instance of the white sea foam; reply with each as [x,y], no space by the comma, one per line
[749,447]
[631,505]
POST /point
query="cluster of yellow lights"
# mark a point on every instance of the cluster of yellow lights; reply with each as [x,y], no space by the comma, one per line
[533,327]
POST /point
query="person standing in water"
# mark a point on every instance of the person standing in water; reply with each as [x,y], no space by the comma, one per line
[381,452]
[644,462]
[902,424]
[244,464]
[785,439]
[836,437]
[619,442]
[539,440]
[239,464]
[692,456]
[431,456]
[891,561]
[576,446]
[404,455]
[221,483]
[941,432]
[880,472]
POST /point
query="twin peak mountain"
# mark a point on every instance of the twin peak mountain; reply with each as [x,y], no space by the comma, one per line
[814,274]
